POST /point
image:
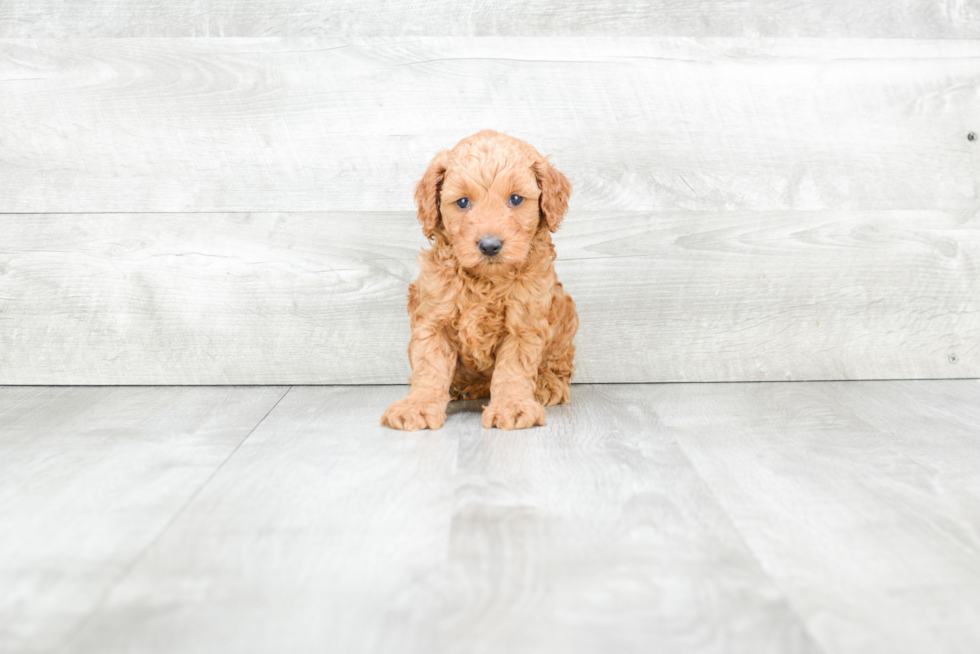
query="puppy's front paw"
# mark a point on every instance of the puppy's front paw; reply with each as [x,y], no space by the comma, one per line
[412,414]
[513,413]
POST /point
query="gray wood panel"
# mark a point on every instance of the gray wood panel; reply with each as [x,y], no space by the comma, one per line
[860,499]
[89,478]
[826,517]
[766,18]
[321,298]
[327,532]
[347,124]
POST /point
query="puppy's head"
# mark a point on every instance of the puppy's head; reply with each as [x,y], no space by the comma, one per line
[489,196]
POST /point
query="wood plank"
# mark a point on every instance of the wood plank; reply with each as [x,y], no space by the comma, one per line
[327,532]
[776,296]
[89,478]
[860,499]
[343,124]
[594,534]
[765,18]
[207,298]
[320,297]
[324,533]
[947,412]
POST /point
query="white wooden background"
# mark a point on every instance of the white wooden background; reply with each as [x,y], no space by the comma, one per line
[781,192]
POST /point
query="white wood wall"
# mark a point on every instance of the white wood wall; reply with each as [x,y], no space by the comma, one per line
[781,192]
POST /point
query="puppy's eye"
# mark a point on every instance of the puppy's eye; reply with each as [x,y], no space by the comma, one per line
[462,203]
[515,200]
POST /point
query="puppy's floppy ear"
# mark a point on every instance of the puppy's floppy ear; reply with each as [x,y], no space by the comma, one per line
[555,191]
[427,193]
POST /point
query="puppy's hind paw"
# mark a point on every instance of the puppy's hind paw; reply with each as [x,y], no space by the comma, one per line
[411,414]
[513,414]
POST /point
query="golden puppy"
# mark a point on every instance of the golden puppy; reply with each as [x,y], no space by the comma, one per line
[489,316]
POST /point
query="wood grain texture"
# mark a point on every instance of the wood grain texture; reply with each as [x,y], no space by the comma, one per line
[327,532]
[593,535]
[344,124]
[860,499]
[89,477]
[207,298]
[767,18]
[320,298]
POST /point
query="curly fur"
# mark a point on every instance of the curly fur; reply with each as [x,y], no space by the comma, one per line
[498,327]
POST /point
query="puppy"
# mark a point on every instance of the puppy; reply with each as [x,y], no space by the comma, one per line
[489,316]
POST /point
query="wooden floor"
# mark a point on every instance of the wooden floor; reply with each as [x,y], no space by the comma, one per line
[756,517]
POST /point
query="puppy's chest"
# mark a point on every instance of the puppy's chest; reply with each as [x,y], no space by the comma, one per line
[480,328]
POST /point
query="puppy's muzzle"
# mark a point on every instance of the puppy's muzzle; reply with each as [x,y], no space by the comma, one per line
[490,245]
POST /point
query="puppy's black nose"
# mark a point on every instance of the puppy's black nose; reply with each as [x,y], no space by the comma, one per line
[490,245]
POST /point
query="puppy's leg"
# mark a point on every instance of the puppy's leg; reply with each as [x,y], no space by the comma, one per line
[433,363]
[512,404]
[553,387]
[557,367]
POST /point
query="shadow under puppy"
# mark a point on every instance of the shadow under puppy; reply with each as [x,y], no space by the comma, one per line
[489,316]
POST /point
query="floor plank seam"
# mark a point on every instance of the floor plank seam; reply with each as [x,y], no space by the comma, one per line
[819,648]
[149,546]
